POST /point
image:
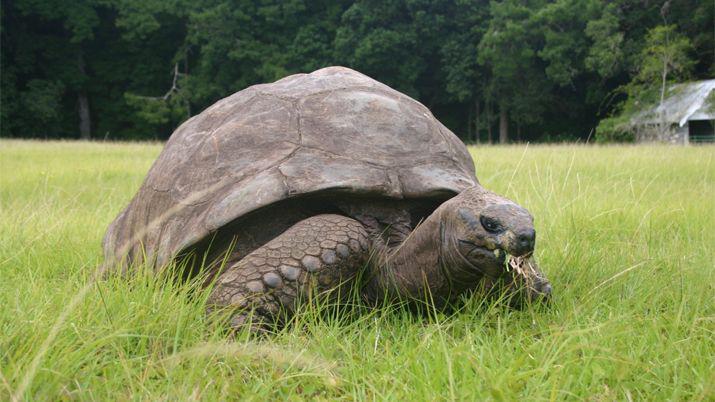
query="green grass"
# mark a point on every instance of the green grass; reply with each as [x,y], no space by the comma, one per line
[626,234]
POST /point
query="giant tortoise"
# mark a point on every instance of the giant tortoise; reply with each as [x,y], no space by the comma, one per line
[291,189]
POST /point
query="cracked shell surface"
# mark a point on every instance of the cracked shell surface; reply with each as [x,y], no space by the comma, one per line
[331,130]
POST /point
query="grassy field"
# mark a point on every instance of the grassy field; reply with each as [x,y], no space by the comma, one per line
[626,234]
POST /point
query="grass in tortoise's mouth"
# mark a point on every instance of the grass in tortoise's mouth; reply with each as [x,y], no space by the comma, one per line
[523,267]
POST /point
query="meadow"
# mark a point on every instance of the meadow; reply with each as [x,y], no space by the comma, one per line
[625,233]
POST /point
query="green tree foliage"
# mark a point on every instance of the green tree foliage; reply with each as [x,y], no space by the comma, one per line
[664,59]
[389,40]
[532,69]
[509,54]
[605,55]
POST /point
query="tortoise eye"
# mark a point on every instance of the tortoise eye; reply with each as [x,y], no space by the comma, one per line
[491,225]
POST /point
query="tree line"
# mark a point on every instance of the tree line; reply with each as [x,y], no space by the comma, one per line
[529,70]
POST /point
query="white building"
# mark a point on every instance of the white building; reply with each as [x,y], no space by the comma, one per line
[686,115]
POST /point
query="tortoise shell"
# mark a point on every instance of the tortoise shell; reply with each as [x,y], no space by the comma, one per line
[334,131]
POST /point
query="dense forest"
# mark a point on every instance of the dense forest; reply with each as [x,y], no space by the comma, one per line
[531,70]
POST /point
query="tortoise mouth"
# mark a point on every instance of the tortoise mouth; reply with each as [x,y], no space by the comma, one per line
[528,278]
[486,260]
[520,275]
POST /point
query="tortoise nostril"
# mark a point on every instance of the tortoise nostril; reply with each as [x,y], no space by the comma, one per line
[528,235]
[526,239]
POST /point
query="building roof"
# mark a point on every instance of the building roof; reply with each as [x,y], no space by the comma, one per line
[683,102]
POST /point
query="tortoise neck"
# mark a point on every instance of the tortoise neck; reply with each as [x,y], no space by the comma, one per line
[412,269]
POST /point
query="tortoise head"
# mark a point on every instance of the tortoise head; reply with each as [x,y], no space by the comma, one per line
[491,237]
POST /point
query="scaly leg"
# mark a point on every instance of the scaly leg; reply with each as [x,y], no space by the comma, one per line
[316,254]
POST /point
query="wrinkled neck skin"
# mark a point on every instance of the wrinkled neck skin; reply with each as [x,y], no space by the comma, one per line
[425,267]
[462,245]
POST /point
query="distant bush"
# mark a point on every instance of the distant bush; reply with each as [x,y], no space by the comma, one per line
[614,129]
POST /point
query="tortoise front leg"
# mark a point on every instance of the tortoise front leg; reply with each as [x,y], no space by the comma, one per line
[316,254]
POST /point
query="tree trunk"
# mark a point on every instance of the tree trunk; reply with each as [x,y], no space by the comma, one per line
[85,124]
[490,135]
[518,132]
[469,123]
[476,120]
[663,12]
[85,121]
[503,125]
[186,74]
[664,79]
[664,127]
